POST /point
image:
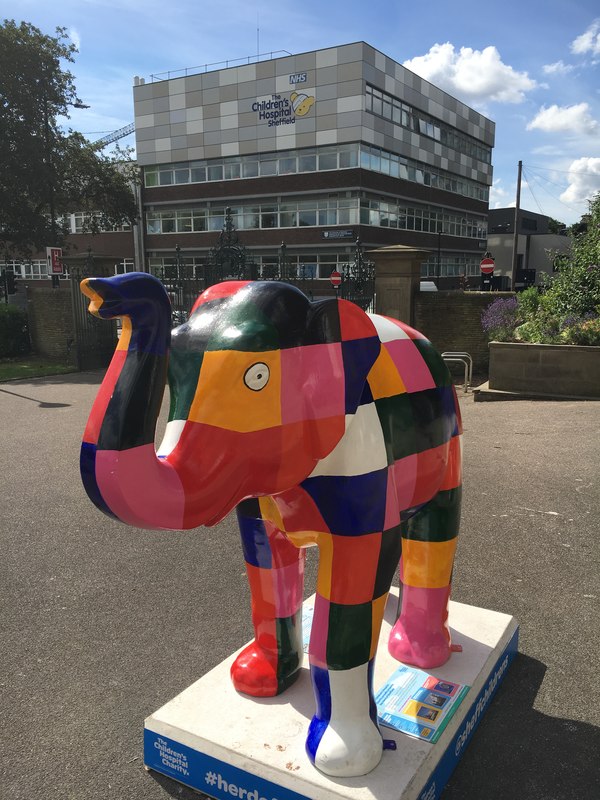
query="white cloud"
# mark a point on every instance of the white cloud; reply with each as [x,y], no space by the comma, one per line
[575,119]
[558,68]
[589,41]
[474,76]
[584,180]
[498,195]
[75,38]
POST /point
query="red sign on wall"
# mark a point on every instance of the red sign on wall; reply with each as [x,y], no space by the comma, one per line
[487,266]
[54,257]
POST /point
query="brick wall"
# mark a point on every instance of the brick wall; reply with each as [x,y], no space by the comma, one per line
[452,321]
[51,322]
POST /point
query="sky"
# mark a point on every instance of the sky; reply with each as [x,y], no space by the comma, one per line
[532,66]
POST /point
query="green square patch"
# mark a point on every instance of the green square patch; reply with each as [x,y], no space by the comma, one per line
[349,639]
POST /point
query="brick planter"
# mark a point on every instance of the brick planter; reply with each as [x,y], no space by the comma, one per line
[556,370]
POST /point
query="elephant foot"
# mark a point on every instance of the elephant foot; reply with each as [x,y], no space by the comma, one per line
[343,739]
[421,636]
[262,674]
[351,748]
[422,649]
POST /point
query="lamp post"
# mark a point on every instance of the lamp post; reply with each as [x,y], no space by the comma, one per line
[283,261]
[515,247]
[179,312]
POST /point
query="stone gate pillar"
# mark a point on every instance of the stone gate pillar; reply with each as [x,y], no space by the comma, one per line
[397,277]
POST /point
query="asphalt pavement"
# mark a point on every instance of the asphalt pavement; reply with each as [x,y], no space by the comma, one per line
[101,624]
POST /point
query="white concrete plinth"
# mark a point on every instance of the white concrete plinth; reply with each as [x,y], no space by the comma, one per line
[227,745]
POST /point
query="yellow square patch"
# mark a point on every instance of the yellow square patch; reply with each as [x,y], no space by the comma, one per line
[238,391]
[384,379]
[427,565]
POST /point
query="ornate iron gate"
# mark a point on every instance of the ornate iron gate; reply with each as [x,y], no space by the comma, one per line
[358,280]
[94,339]
[229,260]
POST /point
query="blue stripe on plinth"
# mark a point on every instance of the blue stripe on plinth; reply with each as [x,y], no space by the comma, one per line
[456,747]
[207,774]
[87,467]
[351,505]
[320,721]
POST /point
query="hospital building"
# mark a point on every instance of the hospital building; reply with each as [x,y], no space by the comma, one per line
[312,151]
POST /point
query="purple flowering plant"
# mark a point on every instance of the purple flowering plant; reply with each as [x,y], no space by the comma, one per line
[500,319]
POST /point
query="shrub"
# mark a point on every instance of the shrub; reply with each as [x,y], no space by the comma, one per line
[14,332]
[567,309]
[500,319]
[529,302]
[585,331]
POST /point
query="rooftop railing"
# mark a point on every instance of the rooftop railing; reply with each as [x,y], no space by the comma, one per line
[234,62]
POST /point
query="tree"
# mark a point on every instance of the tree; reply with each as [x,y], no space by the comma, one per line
[47,173]
[554,226]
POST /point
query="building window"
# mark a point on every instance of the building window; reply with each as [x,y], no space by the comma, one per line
[367,209]
[79,223]
[305,265]
[36,269]
[529,223]
[126,265]
[451,265]
[389,107]
[345,156]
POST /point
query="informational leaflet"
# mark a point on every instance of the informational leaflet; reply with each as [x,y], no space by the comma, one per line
[411,701]
[417,703]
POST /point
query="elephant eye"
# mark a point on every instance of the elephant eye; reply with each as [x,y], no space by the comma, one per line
[257,377]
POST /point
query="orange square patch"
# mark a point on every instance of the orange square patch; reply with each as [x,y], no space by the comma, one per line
[238,391]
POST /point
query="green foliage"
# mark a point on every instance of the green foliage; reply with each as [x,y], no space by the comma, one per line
[554,226]
[14,332]
[529,302]
[567,309]
[586,331]
[30,366]
[47,173]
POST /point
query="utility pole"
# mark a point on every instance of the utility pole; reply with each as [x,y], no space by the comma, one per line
[516,229]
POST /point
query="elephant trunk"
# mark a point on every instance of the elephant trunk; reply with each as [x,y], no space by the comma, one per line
[120,470]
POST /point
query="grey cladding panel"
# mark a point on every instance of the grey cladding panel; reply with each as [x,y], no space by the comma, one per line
[326,75]
[161,104]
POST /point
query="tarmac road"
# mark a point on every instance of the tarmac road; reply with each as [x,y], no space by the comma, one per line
[101,624]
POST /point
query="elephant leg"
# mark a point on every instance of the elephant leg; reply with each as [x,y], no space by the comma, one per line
[275,568]
[353,582]
[420,635]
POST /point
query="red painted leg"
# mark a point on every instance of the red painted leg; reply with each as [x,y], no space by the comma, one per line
[275,568]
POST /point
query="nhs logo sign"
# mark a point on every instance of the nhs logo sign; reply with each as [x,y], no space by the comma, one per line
[299,77]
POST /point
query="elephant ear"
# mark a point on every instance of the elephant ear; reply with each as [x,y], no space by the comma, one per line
[347,329]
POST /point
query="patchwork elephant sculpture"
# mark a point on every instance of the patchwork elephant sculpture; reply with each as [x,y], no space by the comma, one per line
[322,425]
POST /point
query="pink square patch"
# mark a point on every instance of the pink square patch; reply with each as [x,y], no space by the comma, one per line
[320,631]
[410,364]
[312,382]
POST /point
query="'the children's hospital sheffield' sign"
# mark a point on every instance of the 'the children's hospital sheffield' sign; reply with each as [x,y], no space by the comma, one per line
[281,109]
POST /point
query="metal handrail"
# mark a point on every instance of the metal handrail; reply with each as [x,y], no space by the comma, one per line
[185,72]
[461,358]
